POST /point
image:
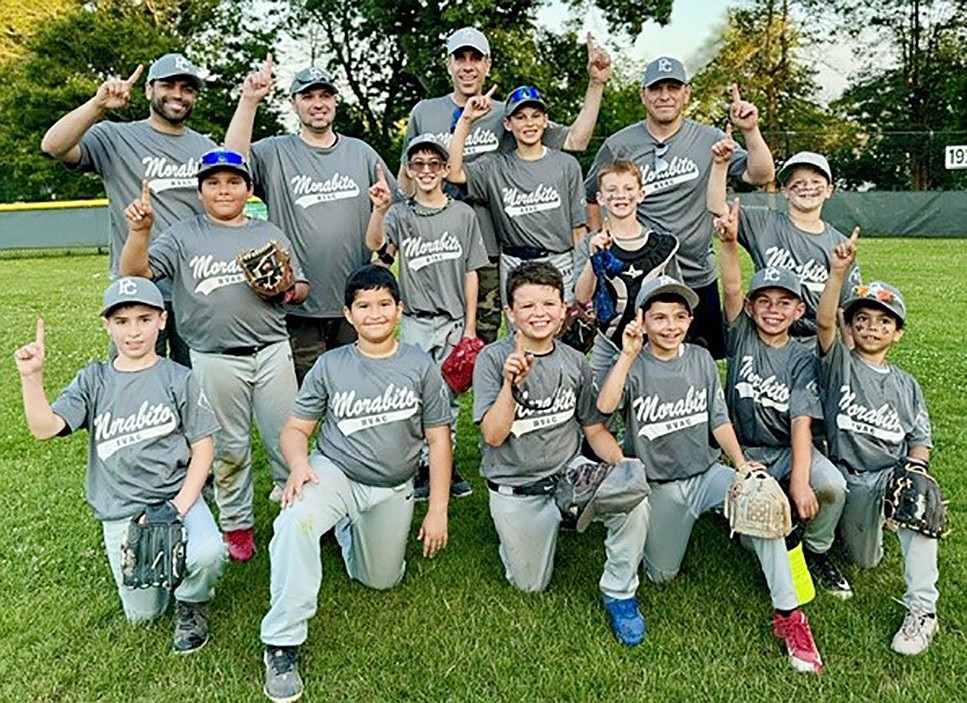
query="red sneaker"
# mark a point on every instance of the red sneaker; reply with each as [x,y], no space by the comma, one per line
[241,544]
[800,645]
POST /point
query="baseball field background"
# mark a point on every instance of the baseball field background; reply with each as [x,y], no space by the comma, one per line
[455,630]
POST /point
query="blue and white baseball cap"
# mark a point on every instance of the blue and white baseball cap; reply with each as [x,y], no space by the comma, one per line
[664,68]
[131,290]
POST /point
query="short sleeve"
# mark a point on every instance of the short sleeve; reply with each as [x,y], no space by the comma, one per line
[579,213]
[488,377]
[74,402]
[587,405]
[311,401]
[163,256]
[436,399]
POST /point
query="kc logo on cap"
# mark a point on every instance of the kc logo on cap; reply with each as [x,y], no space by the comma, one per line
[664,66]
[771,274]
[183,64]
[127,286]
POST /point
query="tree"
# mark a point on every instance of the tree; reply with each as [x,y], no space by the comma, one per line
[63,62]
[910,94]
[20,20]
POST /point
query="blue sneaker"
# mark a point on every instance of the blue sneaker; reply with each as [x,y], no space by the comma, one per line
[626,620]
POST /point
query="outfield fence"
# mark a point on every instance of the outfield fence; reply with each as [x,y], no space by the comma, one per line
[84,223]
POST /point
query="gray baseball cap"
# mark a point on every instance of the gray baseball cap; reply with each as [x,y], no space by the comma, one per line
[592,489]
[174,65]
[773,277]
[665,284]
[521,96]
[805,158]
[427,140]
[468,37]
[311,77]
[131,290]
[221,159]
[664,68]
[877,294]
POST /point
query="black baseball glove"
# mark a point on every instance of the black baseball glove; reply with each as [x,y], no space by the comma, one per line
[912,499]
[153,548]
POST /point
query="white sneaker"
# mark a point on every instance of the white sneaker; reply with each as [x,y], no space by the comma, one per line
[916,632]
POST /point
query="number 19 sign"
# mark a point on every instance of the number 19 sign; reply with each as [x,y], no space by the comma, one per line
[956,157]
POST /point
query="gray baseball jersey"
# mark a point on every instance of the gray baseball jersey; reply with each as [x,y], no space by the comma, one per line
[675,175]
[141,425]
[215,307]
[655,256]
[319,198]
[873,414]
[766,388]
[124,154]
[374,411]
[541,442]
[436,251]
[672,408]
[772,239]
[533,203]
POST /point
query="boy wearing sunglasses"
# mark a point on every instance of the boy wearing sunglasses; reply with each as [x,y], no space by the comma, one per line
[534,193]
[239,343]
[440,250]
[534,400]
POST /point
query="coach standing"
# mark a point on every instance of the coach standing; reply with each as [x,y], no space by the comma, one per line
[160,149]
[675,157]
[316,184]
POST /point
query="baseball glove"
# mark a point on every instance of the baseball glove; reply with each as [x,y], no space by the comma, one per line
[912,500]
[457,368]
[579,327]
[755,504]
[267,269]
[153,549]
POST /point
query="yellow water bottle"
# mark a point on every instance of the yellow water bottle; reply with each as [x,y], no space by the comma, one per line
[801,579]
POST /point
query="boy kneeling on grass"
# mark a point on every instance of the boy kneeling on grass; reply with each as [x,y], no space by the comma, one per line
[378,401]
[150,441]
[675,408]
[534,399]
[875,417]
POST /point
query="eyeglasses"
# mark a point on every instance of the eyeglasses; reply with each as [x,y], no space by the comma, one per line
[660,164]
[433,165]
[525,92]
[216,157]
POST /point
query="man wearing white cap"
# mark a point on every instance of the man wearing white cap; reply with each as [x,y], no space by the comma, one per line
[161,150]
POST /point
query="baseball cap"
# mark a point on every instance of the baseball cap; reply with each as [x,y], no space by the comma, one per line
[310,77]
[590,489]
[665,284]
[523,95]
[664,68]
[805,158]
[427,140]
[773,277]
[172,65]
[468,37]
[131,290]
[878,294]
[222,159]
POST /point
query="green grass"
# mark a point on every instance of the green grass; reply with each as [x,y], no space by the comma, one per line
[455,630]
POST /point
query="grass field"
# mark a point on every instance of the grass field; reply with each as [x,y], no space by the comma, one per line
[455,630]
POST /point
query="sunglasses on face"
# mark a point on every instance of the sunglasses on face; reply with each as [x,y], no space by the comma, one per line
[419,165]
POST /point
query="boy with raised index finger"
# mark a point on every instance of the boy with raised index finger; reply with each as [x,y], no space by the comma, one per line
[876,418]
[773,397]
[675,409]
[377,401]
[150,442]
[534,399]
[440,250]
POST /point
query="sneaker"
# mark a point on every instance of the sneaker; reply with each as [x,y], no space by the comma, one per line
[459,486]
[282,681]
[276,495]
[800,646]
[421,485]
[241,544]
[191,627]
[916,632]
[825,573]
[626,620]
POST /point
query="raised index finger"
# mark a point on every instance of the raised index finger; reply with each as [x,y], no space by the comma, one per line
[145,191]
[41,332]
[267,65]
[379,174]
[133,78]
[855,235]
[490,93]
[736,96]
[590,41]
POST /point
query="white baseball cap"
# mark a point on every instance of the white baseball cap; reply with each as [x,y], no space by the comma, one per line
[468,37]
[805,158]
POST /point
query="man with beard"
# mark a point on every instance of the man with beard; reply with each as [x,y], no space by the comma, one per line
[161,150]
[316,184]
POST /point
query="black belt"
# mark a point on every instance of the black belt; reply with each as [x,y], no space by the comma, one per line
[544,487]
[245,351]
[525,252]
[425,314]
